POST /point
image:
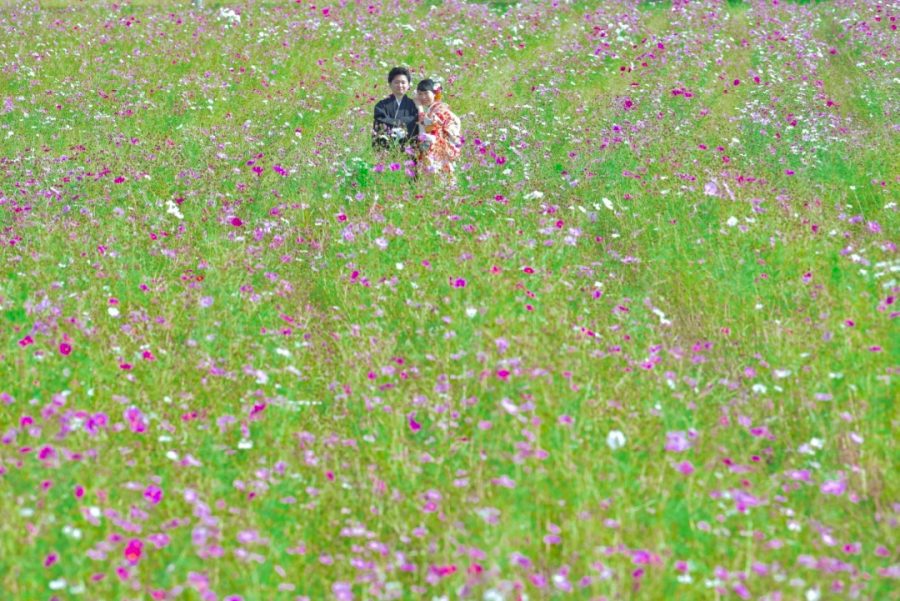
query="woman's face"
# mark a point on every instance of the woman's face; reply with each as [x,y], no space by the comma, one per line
[425,97]
[399,85]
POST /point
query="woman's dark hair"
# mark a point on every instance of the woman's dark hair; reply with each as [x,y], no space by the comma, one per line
[426,85]
[399,71]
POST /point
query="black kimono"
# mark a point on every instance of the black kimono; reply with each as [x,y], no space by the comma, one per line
[389,115]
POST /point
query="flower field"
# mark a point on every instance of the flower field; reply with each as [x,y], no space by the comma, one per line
[645,348]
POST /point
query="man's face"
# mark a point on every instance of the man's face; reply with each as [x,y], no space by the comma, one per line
[399,85]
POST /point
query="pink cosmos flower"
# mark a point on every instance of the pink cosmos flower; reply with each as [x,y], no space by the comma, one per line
[153,494]
[834,487]
[677,442]
[686,468]
[133,551]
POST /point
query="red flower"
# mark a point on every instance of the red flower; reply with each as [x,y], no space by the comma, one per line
[65,348]
[236,222]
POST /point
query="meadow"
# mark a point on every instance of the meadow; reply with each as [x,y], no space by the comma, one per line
[646,348]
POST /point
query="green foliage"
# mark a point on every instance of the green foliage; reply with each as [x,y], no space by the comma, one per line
[339,345]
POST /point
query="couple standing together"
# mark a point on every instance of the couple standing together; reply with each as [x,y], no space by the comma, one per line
[425,128]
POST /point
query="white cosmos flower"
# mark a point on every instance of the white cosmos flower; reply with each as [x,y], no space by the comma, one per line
[229,15]
[662,317]
[615,440]
[493,595]
[172,209]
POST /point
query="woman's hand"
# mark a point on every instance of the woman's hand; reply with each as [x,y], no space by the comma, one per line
[426,140]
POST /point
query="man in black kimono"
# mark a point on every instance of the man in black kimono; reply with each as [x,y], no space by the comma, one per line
[396,116]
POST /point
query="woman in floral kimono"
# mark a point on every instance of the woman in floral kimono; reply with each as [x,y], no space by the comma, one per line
[439,135]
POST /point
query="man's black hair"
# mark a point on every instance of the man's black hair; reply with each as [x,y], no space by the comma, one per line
[399,71]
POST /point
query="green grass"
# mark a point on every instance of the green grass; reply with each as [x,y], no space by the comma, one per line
[757,318]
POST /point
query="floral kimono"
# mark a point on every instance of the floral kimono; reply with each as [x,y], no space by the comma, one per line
[439,145]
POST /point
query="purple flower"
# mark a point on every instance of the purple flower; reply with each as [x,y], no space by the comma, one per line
[834,487]
[343,591]
[677,442]
[686,468]
[153,494]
